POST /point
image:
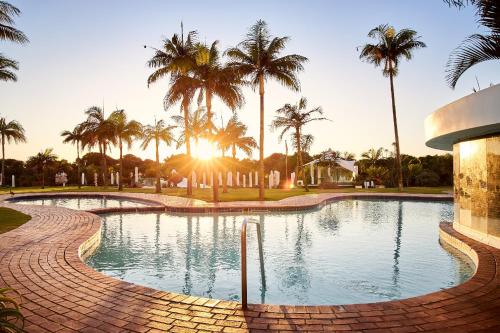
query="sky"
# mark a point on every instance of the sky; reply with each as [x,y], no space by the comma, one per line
[85,53]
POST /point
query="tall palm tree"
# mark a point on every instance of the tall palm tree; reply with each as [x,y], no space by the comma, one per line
[476,48]
[391,47]
[373,155]
[41,159]
[294,118]
[214,79]
[7,67]
[75,137]
[7,31]
[124,131]
[158,132]
[176,59]
[259,57]
[98,131]
[10,131]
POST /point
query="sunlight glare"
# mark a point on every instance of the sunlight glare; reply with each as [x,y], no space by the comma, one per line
[204,150]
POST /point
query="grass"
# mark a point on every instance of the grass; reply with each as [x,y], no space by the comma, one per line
[241,194]
[11,219]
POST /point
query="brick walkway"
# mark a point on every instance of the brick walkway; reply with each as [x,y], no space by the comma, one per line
[61,294]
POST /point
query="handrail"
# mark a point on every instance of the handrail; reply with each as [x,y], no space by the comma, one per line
[244,298]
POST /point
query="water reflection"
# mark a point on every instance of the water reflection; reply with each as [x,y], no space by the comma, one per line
[347,252]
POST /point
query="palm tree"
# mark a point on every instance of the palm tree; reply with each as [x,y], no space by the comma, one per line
[295,117]
[76,137]
[373,155]
[214,79]
[222,138]
[98,131]
[239,141]
[124,131]
[158,132]
[7,31]
[259,58]
[41,159]
[176,59]
[390,48]
[197,126]
[6,69]
[348,156]
[10,131]
[476,48]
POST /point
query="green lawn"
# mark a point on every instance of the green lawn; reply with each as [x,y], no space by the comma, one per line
[241,194]
[11,219]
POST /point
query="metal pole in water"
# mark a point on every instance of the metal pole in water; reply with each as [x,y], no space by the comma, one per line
[244,292]
[261,256]
[244,300]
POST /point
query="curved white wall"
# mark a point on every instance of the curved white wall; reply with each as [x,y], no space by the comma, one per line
[472,116]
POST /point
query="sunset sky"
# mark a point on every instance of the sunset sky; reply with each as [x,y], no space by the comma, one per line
[85,53]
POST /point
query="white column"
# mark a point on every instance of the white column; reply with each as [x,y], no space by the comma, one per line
[319,175]
[292,177]
[237,178]
[193,179]
[95,179]
[256,178]
[136,175]
[204,180]
[83,178]
[250,179]
[117,178]
[229,178]
[270,179]
[244,180]
[312,173]
[13,181]
[112,178]
[276,178]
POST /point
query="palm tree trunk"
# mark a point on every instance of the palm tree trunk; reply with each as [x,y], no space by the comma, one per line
[3,159]
[215,192]
[301,162]
[78,163]
[261,138]
[102,161]
[105,164]
[224,176]
[233,174]
[120,184]
[396,135]
[185,107]
[158,184]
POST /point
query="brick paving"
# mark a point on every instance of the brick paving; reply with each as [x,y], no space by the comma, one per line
[61,294]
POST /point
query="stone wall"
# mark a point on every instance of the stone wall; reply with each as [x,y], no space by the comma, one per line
[476,173]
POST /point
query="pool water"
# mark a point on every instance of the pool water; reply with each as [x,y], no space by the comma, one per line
[351,251]
[81,203]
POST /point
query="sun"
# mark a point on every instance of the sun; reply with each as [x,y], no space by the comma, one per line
[204,150]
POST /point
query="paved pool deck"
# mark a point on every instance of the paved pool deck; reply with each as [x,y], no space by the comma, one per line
[41,259]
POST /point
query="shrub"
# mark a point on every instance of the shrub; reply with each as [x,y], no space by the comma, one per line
[11,318]
[427,178]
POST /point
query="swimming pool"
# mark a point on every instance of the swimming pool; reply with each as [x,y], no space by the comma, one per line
[81,202]
[349,251]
